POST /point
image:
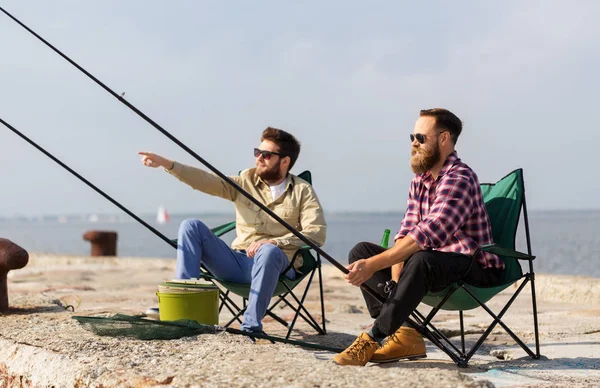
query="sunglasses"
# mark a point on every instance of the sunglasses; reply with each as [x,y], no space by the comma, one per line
[265,154]
[420,137]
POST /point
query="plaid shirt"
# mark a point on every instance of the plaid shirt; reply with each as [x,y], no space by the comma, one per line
[448,214]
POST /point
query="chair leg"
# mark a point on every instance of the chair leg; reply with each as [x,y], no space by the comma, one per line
[277,318]
[437,308]
[236,316]
[437,336]
[297,310]
[301,305]
[429,331]
[531,277]
[281,298]
[462,332]
[435,339]
[321,293]
[309,320]
[223,301]
[497,320]
[535,318]
[231,306]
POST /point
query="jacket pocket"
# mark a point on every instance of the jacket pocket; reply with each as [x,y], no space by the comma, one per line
[248,214]
[289,214]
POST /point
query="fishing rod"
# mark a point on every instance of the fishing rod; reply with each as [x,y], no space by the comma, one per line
[102,193]
[296,233]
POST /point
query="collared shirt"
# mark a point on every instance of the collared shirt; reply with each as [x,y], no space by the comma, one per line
[448,214]
[298,206]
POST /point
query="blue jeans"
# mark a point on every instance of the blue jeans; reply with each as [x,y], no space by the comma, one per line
[198,245]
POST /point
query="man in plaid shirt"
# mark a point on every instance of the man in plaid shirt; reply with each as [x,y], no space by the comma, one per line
[438,244]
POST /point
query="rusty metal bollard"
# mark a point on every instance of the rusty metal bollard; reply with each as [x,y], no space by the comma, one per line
[12,257]
[104,243]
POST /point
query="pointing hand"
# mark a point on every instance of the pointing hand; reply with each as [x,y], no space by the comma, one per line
[153,160]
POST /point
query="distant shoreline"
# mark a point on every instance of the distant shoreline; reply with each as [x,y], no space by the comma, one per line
[102,217]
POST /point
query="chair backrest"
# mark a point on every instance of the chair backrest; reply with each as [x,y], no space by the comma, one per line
[308,260]
[503,201]
[306,175]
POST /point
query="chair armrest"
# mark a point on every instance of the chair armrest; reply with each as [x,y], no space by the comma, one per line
[222,229]
[298,252]
[218,231]
[507,252]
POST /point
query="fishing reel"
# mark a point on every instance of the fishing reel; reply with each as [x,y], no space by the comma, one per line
[388,287]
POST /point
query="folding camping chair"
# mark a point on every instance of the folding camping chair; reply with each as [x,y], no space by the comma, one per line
[284,289]
[503,201]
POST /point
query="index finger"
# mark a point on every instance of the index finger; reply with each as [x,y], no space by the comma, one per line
[145,153]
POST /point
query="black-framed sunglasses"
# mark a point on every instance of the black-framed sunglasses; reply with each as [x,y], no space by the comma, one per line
[265,154]
[420,137]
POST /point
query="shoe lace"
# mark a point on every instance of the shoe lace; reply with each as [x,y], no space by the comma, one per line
[392,338]
[359,348]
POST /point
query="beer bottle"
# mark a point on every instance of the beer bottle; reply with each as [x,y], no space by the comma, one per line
[385,240]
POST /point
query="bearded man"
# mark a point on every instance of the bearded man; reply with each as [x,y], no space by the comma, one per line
[438,243]
[263,248]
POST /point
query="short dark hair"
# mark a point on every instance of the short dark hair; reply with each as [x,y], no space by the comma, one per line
[288,145]
[446,120]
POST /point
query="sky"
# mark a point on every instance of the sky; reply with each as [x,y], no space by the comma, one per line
[346,78]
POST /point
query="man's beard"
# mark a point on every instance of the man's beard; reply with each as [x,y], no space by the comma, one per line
[270,174]
[423,160]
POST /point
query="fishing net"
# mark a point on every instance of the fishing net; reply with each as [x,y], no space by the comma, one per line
[120,325]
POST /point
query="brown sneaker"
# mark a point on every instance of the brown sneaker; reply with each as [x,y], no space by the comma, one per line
[359,353]
[406,342]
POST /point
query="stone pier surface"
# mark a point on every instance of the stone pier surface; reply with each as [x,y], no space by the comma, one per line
[42,346]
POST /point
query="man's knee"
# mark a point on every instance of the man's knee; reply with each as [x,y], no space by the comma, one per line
[359,252]
[193,225]
[270,255]
[418,262]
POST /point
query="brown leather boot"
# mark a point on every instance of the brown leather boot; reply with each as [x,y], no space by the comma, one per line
[359,353]
[406,342]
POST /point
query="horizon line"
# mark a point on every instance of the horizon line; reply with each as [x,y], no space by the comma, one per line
[226,213]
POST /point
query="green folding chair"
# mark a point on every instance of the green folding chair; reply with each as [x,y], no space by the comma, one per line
[284,289]
[504,201]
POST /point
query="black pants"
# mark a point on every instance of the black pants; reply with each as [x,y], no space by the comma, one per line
[423,272]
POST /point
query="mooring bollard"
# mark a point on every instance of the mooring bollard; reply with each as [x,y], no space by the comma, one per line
[12,257]
[104,243]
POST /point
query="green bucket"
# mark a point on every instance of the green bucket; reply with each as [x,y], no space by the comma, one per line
[198,302]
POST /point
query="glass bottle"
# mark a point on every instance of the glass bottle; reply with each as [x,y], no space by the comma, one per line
[385,240]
